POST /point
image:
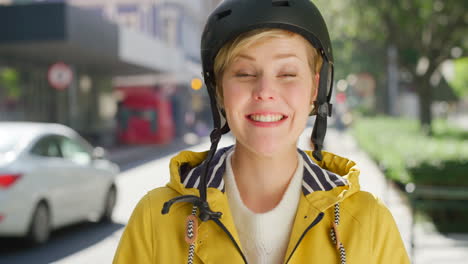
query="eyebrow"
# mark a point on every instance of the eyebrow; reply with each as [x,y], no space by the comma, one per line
[285,55]
[247,57]
[279,56]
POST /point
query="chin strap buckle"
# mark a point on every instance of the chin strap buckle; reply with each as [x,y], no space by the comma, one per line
[205,211]
[322,109]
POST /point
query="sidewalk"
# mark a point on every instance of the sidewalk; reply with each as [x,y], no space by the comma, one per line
[129,156]
[431,246]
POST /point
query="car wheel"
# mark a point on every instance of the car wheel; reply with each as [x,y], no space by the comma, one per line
[109,205]
[39,230]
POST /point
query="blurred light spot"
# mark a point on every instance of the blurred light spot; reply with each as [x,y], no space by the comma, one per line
[352,79]
[85,83]
[342,85]
[107,106]
[347,118]
[423,65]
[410,187]
[456,52]
[448,70]
[196,83]
[438,6]
[190,138]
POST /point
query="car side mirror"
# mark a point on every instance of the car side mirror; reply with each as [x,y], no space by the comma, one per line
[99,153]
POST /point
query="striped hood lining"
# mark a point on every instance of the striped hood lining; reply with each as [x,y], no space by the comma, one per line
[315,178]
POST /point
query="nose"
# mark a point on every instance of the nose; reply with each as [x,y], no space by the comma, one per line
[265,89]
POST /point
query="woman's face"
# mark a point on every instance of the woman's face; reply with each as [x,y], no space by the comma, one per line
[268,94]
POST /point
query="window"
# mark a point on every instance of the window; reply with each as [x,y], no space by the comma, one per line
[125,114]
[74,151]
[47,147]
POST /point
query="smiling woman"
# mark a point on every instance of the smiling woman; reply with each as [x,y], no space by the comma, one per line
[270,83]
[267,66]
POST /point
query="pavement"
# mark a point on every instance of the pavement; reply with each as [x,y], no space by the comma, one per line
[459,120]
[131,156]
[431,247]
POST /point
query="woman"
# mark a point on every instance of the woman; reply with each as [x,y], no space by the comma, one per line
[267,66]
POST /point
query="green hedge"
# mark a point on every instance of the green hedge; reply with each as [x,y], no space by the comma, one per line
[407,155]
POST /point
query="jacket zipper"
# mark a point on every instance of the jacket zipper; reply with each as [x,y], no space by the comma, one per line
[220,224]
[314,223]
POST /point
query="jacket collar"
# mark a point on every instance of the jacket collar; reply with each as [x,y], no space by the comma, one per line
[315,178]
[324,184]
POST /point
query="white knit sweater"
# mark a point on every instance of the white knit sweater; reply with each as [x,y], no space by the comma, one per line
[264,237]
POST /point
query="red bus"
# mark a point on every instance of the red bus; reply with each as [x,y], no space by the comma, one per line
[144,116]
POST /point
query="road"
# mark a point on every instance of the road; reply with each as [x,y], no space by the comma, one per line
[96,242]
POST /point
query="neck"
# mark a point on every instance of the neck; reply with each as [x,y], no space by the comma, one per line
[262,180]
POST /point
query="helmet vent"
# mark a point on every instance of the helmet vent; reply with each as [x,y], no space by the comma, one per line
[280,2]
[223,14]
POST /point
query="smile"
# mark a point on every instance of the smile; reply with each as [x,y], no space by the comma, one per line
[266,118]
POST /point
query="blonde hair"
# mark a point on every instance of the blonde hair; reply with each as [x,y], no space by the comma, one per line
[233,48]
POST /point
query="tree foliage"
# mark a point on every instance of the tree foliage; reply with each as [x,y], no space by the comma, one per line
[460,80]
[425,33]
[9,80]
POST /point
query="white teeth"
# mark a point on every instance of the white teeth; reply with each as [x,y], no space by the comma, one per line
[266,118]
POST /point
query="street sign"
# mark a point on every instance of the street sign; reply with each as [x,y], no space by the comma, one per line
[60,75]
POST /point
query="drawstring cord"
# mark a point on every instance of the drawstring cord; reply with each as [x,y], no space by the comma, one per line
[336,237]
[191,233]
[200,203]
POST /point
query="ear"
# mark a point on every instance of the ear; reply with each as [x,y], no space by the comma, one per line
[316,80]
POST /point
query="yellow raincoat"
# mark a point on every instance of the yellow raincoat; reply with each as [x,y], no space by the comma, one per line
[366,228]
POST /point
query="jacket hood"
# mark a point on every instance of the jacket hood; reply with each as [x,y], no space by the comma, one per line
[324,183]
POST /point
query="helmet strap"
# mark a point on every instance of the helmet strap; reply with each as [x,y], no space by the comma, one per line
[215,137]
[323,109]
[205,212]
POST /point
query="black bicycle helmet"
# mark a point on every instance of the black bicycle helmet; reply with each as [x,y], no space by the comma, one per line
[234,17]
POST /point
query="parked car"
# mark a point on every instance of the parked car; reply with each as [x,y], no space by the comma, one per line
[51,177]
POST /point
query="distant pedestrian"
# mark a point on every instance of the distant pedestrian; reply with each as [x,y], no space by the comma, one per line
[267,65]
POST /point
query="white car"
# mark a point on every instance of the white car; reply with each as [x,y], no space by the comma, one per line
[51,177]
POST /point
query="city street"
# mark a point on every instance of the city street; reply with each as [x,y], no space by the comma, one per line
[96,98]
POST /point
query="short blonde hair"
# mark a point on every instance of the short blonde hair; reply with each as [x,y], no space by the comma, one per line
[233,48]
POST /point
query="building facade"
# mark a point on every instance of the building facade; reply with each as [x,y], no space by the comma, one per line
[106,43]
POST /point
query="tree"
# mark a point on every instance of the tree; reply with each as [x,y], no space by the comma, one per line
[425,33]
[357,46]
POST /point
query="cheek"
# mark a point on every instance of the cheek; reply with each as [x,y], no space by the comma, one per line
[300,99]
[234,93]
[230,100]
